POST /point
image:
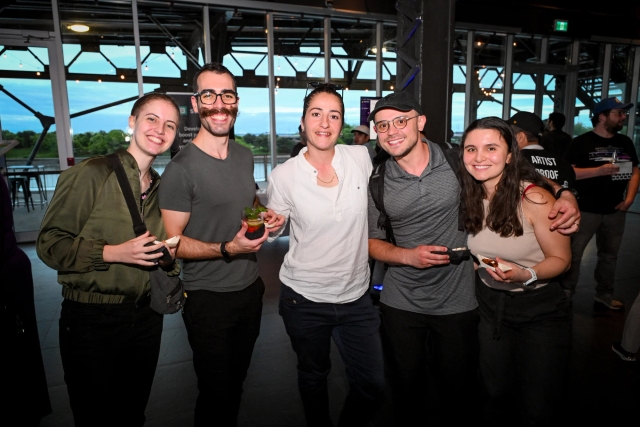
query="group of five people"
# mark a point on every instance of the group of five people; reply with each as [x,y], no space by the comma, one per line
[511,321]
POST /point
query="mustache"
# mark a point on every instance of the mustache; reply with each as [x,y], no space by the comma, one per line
[206,112]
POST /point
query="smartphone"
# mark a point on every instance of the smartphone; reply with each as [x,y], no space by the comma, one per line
[166,258]
[456,255]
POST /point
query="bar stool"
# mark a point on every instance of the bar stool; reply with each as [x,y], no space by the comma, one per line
[20,181]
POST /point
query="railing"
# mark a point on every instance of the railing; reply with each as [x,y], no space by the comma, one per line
[261,168]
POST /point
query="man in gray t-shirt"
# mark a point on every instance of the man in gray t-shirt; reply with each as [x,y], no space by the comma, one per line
[203,192]
[428,304]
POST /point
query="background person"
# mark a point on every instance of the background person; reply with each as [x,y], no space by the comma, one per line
[554,139]
[606,166]
[301,144]
[525,329]
[361,137]
[630,343]
[109,337]
[26,392]
[325,273]
[528,127]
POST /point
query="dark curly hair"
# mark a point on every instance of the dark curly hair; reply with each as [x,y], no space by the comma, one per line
[503,215]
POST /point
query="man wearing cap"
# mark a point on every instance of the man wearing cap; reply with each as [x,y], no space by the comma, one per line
[606,165]
[426,301]
[554,139]
[528,128]
[361,137]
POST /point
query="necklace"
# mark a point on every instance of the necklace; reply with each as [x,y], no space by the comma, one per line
[327,182]
[306,156]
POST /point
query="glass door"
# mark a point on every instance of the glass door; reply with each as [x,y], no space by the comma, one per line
[31,167]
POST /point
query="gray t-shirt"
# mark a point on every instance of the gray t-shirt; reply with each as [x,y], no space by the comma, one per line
[215,192]
[424,211]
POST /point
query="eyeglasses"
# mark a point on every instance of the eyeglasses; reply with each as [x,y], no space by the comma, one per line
[208,96]
[620,113]
[399,122]
[316,85]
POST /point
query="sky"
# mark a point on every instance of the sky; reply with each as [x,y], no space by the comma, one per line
[254,102]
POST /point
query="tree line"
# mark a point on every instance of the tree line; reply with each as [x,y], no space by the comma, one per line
[89,144]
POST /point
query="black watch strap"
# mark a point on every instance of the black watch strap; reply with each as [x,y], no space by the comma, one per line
[224,252]
[569,189]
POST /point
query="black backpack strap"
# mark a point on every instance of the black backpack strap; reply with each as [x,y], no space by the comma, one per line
[376,187]
[139,227]
[453,158]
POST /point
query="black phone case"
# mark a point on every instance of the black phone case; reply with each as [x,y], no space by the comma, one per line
[166,256]
[455,257]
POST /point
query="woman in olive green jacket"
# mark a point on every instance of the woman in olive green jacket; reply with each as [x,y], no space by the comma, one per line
[109,337]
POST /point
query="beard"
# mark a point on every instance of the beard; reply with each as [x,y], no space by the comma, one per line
[613,126]
[218,130]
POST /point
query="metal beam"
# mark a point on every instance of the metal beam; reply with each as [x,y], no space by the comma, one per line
[206,35]
[136,38]
[272,92]
[379,59]
[60,95]
[508,78]
[635,82]
[470,108]
[606,71]
[327,49]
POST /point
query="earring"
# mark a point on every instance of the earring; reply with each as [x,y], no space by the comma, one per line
[129,132]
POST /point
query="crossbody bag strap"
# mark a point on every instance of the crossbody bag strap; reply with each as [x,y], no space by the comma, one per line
[139,227]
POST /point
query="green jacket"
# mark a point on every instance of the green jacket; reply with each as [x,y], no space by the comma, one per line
[88,211]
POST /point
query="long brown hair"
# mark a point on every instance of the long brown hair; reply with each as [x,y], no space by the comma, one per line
[503,214]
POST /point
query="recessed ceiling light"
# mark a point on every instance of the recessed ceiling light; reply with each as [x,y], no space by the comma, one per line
[78,28]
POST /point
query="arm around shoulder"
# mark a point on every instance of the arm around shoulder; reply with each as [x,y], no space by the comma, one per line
[555,246]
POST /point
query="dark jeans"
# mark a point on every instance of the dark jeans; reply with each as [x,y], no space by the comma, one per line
[222,329]
[525,341]
[608,230]
[354,327]
[446,346]
[109,355]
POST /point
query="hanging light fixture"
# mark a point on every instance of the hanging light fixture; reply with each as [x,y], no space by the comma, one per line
[78,28]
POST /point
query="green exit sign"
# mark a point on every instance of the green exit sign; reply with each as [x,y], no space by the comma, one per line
[560,25]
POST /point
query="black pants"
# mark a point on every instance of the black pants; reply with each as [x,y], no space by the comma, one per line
[525,340]
[354,327]
[222,328]
[109,355]
[447,347]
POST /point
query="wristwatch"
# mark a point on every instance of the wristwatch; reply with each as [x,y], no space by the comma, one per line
[534,277]
[569,189]
[224,252]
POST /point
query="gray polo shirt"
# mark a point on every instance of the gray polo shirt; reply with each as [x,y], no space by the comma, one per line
[424,211]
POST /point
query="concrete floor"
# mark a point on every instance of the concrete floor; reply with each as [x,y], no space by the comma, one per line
[603,388]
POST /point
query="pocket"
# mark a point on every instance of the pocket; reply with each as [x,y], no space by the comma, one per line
[290,297]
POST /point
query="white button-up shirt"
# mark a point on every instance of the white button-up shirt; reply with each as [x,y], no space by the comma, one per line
[328,254]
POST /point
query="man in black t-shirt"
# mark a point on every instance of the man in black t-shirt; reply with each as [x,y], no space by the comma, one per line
[606,165]
[554,139]
[528,127]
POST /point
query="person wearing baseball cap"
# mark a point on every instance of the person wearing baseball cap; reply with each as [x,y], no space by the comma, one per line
[361,137]
[528,128]
[425,294]
[606,166]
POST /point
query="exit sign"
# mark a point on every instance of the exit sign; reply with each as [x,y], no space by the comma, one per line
[560,25]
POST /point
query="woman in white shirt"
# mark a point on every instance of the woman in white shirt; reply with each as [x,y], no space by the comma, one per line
[325,273]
